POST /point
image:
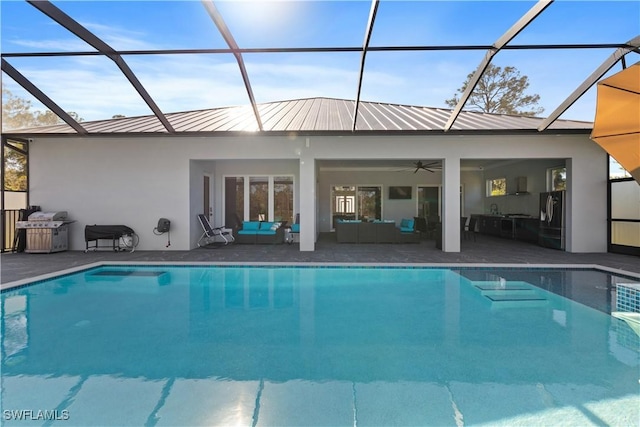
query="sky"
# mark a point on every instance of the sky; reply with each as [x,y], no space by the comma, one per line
[95,88]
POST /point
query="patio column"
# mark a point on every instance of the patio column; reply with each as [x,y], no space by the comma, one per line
[585,213]
[451,204]
[307,202]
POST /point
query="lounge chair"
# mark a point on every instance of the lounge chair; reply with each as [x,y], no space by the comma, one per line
[211,235]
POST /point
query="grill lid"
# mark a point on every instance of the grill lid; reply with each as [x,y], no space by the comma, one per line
[48,216]
[41,224]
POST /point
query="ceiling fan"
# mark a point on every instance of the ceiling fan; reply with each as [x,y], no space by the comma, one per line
[429,167]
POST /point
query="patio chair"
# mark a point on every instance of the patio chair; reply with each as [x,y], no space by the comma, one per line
[210,235]
[470,229]
[294,230]
[432,225]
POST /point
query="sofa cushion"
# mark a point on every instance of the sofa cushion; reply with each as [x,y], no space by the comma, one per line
[266,232]
[250,225]
[295,228]
[266,225]
[406,225]
[247,232]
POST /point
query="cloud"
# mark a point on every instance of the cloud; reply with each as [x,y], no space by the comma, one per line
[57,45]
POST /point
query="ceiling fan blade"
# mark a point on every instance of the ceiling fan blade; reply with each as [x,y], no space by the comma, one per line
[435,164]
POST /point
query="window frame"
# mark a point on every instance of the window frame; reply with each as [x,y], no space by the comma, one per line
[270,209]
[490,185]
[551,180]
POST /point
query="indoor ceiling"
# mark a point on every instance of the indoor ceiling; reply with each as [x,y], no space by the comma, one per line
[92,60]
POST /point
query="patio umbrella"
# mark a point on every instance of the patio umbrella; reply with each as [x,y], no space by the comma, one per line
[617,123]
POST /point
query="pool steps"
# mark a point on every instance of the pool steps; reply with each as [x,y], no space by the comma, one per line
[510,294]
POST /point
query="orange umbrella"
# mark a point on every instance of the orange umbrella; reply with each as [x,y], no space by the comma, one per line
[617,123]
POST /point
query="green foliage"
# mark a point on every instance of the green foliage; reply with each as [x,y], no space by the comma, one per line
[18,113]
[15,172]
[500,91]
[498,187]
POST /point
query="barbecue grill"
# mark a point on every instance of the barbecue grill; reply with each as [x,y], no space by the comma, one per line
[46,232]
[122,237]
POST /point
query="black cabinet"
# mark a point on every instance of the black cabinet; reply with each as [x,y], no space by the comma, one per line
[488,224]
[525,229]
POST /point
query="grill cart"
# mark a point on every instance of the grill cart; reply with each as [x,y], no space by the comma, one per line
[47,232]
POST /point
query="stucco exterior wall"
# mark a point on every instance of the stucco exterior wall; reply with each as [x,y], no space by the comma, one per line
[135,181]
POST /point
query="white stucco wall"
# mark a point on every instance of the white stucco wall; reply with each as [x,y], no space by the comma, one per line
[135,181]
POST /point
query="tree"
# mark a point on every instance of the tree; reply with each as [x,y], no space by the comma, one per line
[17,113]
[15,176]
[500,91]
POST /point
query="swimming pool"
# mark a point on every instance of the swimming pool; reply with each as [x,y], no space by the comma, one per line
[204,345]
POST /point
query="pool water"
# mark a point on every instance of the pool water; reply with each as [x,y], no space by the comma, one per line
[169,346]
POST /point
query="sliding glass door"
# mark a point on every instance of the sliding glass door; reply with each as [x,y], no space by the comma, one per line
[283,198]
[355,202]
[369,203]
[429,203]
[343,203]
[234,200]
[258,198]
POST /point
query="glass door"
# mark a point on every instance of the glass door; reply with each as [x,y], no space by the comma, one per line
[343,203]
[350,202]
[369,203]
[429,203]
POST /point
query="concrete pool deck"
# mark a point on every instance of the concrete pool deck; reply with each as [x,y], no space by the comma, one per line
[485,250]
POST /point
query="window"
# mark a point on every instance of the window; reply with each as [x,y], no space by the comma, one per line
[350,202]
[369,202]
[557,178]
[259,198]
[283,198]
[15,170]
[616,170]
[345,204]
[496,187]
[234,199]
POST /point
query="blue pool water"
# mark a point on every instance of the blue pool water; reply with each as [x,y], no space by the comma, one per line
[178,346]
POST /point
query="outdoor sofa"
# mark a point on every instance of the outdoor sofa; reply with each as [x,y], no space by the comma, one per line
[260,232]
[377,231]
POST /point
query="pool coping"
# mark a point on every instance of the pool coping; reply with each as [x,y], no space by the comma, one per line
[48,276]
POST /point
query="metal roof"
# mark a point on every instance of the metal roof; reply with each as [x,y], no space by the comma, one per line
[312,115]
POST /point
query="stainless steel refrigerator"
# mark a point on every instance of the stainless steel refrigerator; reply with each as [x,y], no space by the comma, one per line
[552,220]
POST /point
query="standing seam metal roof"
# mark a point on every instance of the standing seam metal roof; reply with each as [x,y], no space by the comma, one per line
[312,115]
